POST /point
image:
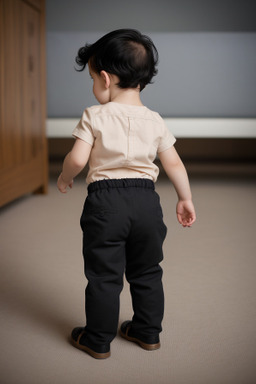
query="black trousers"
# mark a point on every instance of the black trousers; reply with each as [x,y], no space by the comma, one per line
[123,231]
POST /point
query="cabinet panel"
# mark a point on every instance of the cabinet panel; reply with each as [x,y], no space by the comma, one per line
[22,122]
[31,102]
[11,84]
[1,83]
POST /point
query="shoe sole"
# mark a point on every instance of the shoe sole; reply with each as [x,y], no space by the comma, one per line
[147,347]
[90,351]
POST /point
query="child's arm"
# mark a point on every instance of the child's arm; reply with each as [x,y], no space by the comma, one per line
[73,164]
[176,172]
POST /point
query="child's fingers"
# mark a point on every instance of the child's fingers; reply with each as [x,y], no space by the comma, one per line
[179,217]
[185,221]
[62,190]
[190,221]
[192,218]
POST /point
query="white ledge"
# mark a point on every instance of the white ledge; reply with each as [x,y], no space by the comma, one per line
[180,127]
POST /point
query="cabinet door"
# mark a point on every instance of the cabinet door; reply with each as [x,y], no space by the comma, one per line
[23,158]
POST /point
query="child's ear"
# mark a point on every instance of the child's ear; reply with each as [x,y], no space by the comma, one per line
[105,76]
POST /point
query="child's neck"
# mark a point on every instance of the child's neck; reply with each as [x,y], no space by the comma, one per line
[129,96]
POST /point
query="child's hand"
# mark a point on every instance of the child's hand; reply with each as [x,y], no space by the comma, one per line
[62,185]
[186,213]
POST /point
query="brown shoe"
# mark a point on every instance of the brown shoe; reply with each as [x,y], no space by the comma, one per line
[79,340]
[150,343]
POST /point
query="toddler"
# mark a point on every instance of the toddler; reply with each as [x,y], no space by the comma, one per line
[122,220]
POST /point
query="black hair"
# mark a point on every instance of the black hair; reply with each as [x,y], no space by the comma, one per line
[126,53]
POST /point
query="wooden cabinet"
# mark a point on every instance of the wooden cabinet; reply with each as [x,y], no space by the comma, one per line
[23,145]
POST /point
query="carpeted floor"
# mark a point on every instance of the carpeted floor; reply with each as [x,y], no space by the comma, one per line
[209,334]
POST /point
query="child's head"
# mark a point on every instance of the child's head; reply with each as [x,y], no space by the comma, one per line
[126,53]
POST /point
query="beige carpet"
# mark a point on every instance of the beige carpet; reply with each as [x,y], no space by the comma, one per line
[209,332]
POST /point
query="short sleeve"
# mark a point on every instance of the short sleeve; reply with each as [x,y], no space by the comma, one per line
[167,140]
[84,130]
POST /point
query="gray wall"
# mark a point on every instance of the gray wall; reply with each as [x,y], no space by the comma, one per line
[207,54]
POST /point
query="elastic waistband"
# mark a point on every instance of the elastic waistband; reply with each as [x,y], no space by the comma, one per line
[121,183]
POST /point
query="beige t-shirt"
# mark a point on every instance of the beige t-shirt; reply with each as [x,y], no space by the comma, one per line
[125,140]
